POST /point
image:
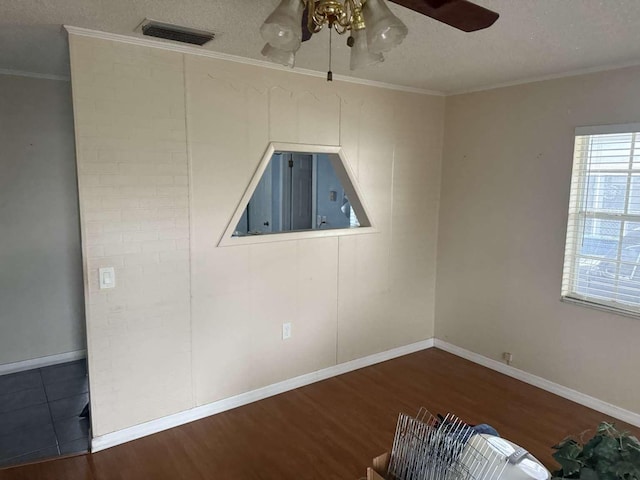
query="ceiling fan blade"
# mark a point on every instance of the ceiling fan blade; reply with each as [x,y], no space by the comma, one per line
[460,14]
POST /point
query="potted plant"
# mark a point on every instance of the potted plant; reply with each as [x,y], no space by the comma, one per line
[608,455]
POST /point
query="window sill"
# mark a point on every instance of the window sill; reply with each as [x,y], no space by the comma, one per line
[288,236]
[598,306]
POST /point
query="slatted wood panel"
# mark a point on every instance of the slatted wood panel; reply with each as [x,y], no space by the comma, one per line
[333,429]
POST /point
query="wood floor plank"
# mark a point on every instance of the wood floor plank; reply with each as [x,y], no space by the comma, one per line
[76,468]
[332,429]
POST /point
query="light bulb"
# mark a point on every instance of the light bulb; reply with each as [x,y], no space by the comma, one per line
[384,29]
[360,55]
[283,28]
[279,56]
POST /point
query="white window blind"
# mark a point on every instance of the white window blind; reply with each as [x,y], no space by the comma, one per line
[602,256]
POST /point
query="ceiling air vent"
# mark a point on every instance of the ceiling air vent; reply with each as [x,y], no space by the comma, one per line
[176,33]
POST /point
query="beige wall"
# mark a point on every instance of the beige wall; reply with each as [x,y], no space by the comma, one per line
[167,144]
[41,308]
[505,191]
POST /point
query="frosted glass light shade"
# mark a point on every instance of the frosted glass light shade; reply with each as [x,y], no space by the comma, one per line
[360,55]
[279,56]
[283,28]
[384,29]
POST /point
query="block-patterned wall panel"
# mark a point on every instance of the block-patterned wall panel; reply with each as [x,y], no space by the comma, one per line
[247,292]
[134,200]
[346,297]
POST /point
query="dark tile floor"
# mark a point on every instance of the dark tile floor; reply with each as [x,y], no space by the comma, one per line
[39,413]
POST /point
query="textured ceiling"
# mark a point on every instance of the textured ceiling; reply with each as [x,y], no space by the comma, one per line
[532,38]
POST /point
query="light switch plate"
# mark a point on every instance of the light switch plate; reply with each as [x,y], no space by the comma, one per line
[107,276]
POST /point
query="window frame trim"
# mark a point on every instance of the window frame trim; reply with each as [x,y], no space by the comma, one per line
[583,302]
[606,129]
[577,215]
[227,239]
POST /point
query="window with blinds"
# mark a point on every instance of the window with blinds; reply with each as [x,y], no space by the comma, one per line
[602,256]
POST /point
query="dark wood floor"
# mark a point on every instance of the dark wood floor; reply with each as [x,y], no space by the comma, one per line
[332,429]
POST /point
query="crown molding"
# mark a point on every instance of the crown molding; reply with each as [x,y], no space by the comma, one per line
[43,76]
[85,32]
[542,78]
[175,47]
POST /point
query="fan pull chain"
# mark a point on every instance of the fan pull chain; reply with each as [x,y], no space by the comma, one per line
[330,73]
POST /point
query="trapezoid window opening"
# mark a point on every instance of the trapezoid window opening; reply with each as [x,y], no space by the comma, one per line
[301,191]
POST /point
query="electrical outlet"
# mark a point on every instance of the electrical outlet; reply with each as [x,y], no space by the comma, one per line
[286,330]
[507,357]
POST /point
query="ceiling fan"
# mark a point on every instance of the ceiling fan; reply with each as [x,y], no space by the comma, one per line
[372,27]
[460,14]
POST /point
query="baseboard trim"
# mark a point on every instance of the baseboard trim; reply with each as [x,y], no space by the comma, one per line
[8,368]
[154,426]
[620,413]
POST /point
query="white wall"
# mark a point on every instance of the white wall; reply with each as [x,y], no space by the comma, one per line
[505,192]
[167,144]
[41,308]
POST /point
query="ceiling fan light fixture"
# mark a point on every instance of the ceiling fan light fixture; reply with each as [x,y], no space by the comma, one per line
[361,56]
[279,56]
[295,21]
[384,30]
[282,29]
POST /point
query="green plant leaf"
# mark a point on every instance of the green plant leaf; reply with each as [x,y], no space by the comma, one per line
[567,455]
[631,444]
[608,449]
[608,455]
[589,447]
[606,428]
[606,471]
[564,443]
[627,470]
[588,474]
[568,449]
